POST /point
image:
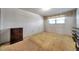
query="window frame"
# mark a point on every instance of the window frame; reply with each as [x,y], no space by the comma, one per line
[50,19]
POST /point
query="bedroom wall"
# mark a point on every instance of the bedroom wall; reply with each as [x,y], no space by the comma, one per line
[77,13]
[14,18]
[0,17]
[62,28]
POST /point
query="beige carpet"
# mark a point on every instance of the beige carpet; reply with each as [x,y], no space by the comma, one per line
[43,42]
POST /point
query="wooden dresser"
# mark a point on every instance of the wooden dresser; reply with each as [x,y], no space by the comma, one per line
[16,35]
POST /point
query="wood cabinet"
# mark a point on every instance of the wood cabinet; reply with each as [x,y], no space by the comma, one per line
[16,35]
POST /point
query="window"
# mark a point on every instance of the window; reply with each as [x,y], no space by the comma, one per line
[60,20]
[51,21]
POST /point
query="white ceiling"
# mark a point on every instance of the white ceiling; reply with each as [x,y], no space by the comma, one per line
[52,11]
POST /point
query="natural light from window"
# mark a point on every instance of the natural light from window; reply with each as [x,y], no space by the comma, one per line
[59,20]
[51,21]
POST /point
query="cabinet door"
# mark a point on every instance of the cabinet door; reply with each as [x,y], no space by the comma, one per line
[16,35]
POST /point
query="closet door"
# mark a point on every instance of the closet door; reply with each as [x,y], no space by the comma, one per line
[16,35]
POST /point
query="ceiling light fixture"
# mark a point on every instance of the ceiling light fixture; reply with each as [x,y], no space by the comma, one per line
[45,9]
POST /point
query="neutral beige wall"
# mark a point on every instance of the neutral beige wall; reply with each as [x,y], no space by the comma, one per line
[14,18]
[62,28]
[77,13]
[4,35]
[0,17]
